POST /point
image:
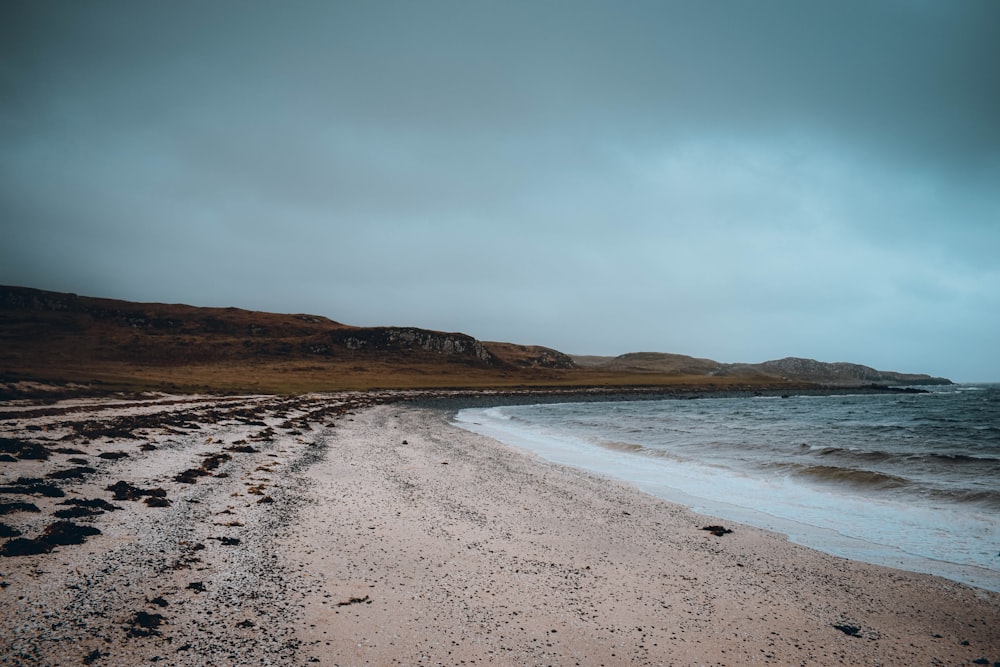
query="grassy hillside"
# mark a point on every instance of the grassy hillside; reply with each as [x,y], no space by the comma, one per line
[57,337]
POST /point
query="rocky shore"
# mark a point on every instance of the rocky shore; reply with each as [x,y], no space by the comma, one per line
[354,528]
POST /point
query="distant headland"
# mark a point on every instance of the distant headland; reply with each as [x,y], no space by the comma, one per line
[66,339]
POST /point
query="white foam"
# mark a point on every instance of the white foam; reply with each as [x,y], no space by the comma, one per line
[959,545]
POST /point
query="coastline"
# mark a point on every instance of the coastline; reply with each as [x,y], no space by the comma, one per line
[903,533]
[393,537]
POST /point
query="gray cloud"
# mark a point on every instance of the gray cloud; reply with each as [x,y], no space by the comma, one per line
[736,180]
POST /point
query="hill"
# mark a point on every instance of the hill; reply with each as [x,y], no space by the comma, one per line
[838,374]
[66,338]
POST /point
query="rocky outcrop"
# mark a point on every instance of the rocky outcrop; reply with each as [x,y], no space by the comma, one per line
[25,298]
[173,333]
[408,339]
[529,356]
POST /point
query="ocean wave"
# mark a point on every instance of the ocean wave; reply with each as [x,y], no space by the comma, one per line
[904,457]
[641,450]
[961,459]
[851,476]
[854,453]
[627,447]
[989,500]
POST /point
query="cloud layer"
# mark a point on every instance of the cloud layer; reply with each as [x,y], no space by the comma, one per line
[741,181]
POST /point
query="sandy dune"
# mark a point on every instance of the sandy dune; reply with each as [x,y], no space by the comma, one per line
[343,530]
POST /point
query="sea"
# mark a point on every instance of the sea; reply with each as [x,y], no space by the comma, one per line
[908,480]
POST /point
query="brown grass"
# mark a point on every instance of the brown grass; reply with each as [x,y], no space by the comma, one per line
[294,378]
[124,346]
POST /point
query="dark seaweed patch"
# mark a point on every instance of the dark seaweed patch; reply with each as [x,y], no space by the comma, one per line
[92,657]
[190,476]
[71,473]
[67,532]
[10,508]
[76,512]
[350,601]
[93,503]
[8,531]
[125,491]
[23,450]
[144,624]
[31,486]
[213,461]
[23,546]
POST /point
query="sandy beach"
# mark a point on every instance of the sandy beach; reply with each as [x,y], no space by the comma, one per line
[352,529]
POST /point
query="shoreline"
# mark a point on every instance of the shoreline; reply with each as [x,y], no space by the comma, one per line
[877,531]
[364,530]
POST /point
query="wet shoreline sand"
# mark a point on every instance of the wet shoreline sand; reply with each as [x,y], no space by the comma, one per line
[349,529]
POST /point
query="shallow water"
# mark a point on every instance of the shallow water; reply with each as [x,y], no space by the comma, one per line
[906,480]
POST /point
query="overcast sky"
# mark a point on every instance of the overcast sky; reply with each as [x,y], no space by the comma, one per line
[736,180]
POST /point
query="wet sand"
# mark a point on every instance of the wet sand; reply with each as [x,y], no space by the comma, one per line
[342,530]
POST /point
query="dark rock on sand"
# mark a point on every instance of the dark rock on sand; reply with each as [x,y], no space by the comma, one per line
[718,531]
[849,630]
